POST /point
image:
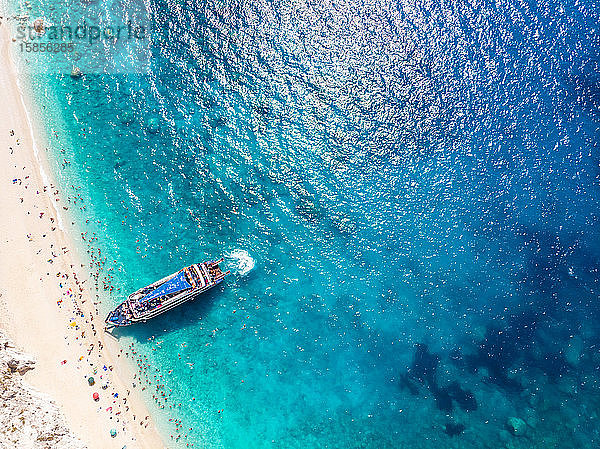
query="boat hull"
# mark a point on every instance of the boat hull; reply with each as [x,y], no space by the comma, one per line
[203,277]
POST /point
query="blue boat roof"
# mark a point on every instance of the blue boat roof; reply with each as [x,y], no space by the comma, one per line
[177,283]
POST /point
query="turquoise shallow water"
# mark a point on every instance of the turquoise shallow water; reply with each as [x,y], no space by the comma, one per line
[381,178]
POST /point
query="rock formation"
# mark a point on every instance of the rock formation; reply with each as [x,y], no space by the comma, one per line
[28,419]
[516,426]
[76,72]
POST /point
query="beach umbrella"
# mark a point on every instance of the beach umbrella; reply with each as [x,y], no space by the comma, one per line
[96,396]
[113,432]
[91,381]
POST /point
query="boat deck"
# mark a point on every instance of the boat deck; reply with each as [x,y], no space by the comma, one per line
[167,293]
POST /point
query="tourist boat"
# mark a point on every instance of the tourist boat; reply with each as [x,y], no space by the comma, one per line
[166,294]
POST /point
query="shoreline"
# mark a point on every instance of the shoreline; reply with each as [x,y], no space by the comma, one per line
[48,310]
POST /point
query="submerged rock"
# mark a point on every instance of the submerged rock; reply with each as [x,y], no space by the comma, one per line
[424,365]
[443,401]
[501,348]
[531,418]
[153,125]
[453,429]
[464,398]
[574,351]
[308,209]
[76,73]
[126,117]
[516,426]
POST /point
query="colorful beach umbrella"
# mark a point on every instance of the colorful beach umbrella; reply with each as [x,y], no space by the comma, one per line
[96,396]
[91,381]
[113,432]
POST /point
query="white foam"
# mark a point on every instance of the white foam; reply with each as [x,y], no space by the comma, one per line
[242,262]
[44,175]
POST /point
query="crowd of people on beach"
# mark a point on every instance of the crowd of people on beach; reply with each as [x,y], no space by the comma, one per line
[81,329]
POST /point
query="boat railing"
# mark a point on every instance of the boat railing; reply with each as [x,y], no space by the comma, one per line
[221,276]
[201,278]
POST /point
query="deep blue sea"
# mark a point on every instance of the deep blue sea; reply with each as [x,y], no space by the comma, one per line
[407,194]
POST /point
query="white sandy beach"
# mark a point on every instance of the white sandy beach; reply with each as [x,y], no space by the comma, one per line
[38,269]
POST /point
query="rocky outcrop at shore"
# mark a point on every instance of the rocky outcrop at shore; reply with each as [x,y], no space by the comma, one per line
[28,418]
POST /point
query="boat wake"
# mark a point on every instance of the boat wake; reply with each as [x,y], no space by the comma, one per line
[240,261]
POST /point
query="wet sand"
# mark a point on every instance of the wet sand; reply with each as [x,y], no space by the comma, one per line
[47,303]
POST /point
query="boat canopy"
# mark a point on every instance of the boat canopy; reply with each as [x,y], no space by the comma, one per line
[177,283]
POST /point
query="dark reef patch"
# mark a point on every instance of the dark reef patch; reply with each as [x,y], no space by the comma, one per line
[443,400]
[502,347]
[424,365]
[423,371]
[553,365]
[453,429]
[464,398]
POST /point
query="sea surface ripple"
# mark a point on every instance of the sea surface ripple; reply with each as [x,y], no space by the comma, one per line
[406,193]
